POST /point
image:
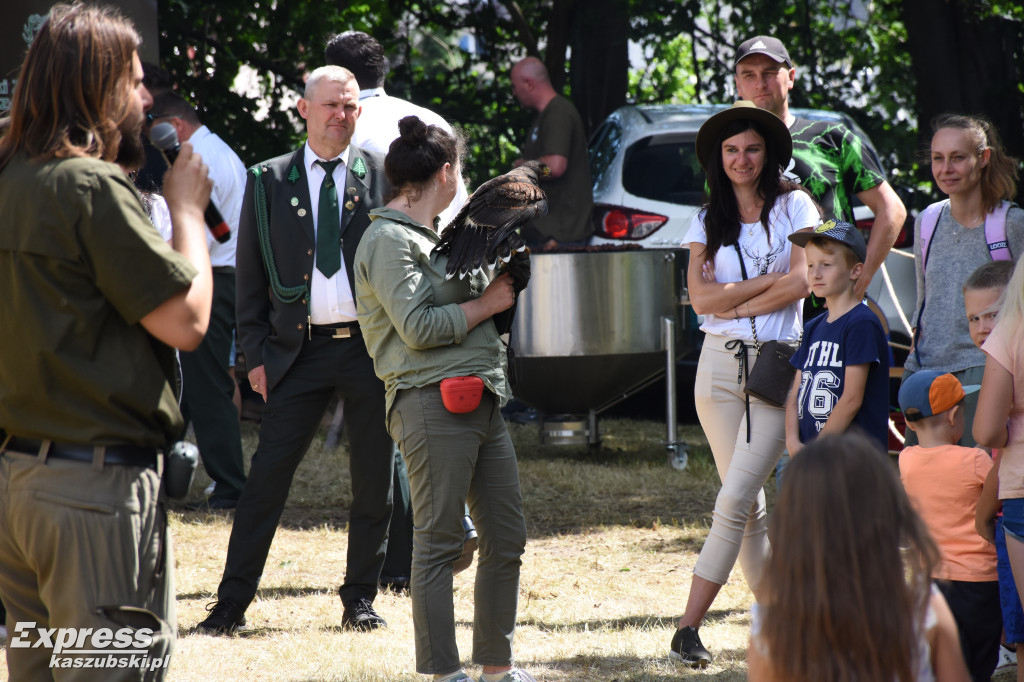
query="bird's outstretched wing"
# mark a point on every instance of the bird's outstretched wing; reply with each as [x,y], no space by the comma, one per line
[484,231]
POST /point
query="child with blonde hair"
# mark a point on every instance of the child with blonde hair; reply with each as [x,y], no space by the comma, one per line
[999,422]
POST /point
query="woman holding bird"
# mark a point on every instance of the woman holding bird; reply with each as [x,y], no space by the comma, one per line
[435,346]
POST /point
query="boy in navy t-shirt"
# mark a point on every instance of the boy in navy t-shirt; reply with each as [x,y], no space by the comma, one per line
[842,378]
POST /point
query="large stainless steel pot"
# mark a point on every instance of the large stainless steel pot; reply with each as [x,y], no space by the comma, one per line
[588,330]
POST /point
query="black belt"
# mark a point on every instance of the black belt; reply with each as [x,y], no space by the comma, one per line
[341,330]
[122,455]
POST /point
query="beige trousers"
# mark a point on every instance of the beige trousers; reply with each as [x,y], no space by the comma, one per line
[84,549]
[740,525]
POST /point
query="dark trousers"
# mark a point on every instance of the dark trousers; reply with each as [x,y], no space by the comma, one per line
[208,390]
[398,562]
[979,620]
[292,415]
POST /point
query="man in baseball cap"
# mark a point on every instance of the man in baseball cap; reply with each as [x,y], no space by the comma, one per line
[828,158]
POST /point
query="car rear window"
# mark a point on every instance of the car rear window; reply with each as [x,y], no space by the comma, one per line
[603,147]
[664,168]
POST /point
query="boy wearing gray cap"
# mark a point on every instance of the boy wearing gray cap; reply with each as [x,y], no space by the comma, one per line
[842,378]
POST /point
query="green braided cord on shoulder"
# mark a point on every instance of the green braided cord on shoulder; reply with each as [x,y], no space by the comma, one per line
[283,293]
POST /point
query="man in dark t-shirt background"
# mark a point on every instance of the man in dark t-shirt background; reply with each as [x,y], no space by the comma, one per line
[556,138]
[828,158]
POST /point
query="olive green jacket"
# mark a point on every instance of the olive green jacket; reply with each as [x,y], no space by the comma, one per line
[409,312]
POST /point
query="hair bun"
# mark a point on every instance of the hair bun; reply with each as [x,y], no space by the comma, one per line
[412,130]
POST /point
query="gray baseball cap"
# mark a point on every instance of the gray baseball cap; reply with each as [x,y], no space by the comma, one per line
[765,45]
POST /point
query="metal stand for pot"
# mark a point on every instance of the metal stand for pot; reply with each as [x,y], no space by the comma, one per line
[677,450]
[571,430]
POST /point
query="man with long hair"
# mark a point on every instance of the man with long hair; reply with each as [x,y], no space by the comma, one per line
[93,300]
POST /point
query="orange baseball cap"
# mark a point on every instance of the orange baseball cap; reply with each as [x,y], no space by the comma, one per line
[928,393]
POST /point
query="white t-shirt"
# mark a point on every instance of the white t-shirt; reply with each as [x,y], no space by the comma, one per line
[792,212]
[228,175]
[160,216]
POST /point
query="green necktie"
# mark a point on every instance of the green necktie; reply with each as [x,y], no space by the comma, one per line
[328,224]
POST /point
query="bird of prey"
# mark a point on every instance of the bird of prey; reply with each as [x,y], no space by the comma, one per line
[483,234]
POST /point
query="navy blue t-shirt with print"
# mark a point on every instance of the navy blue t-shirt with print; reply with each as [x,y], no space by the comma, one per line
[856,338]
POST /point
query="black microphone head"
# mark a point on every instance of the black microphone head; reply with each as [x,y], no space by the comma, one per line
[164,136]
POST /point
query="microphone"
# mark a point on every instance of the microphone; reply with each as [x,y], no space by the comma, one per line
[165,138]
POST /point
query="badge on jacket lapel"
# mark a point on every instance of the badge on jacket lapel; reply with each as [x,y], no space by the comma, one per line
[293,174]
[359,169]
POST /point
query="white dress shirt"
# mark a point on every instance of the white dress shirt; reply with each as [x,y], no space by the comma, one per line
[331,299]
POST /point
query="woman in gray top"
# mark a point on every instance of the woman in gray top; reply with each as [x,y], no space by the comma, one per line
[971,167]
[427,334]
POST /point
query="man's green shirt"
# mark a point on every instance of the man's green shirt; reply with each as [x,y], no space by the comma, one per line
[80,266]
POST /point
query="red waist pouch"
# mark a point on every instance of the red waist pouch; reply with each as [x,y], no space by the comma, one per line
[462,394]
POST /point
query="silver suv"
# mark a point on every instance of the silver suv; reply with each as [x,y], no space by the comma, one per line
[648,185]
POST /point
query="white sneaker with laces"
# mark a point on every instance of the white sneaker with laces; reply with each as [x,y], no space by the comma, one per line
[1007,660]
[516,675]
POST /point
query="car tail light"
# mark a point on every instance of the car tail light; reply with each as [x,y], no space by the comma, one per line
[902,239]
[613,222]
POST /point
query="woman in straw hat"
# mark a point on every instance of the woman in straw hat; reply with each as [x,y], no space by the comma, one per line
[747,281]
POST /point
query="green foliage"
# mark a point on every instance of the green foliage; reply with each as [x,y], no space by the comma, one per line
[207,47]
[665,78]
[858,65]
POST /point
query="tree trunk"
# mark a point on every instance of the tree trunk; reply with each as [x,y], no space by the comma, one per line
[599,68]
[965,65]
[559,28]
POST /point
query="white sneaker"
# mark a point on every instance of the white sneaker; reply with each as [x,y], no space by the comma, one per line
[1007,660]
[516,675]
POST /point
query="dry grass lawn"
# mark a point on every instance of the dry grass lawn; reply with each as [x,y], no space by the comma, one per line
[613,539]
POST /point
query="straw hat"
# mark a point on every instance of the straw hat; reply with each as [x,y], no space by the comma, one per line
[707,137]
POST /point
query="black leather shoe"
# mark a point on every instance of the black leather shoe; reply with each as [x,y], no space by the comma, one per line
[359,615]
[395,583]
[226,617]
[688,649]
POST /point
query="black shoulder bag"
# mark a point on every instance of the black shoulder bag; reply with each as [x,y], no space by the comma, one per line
[770,378]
